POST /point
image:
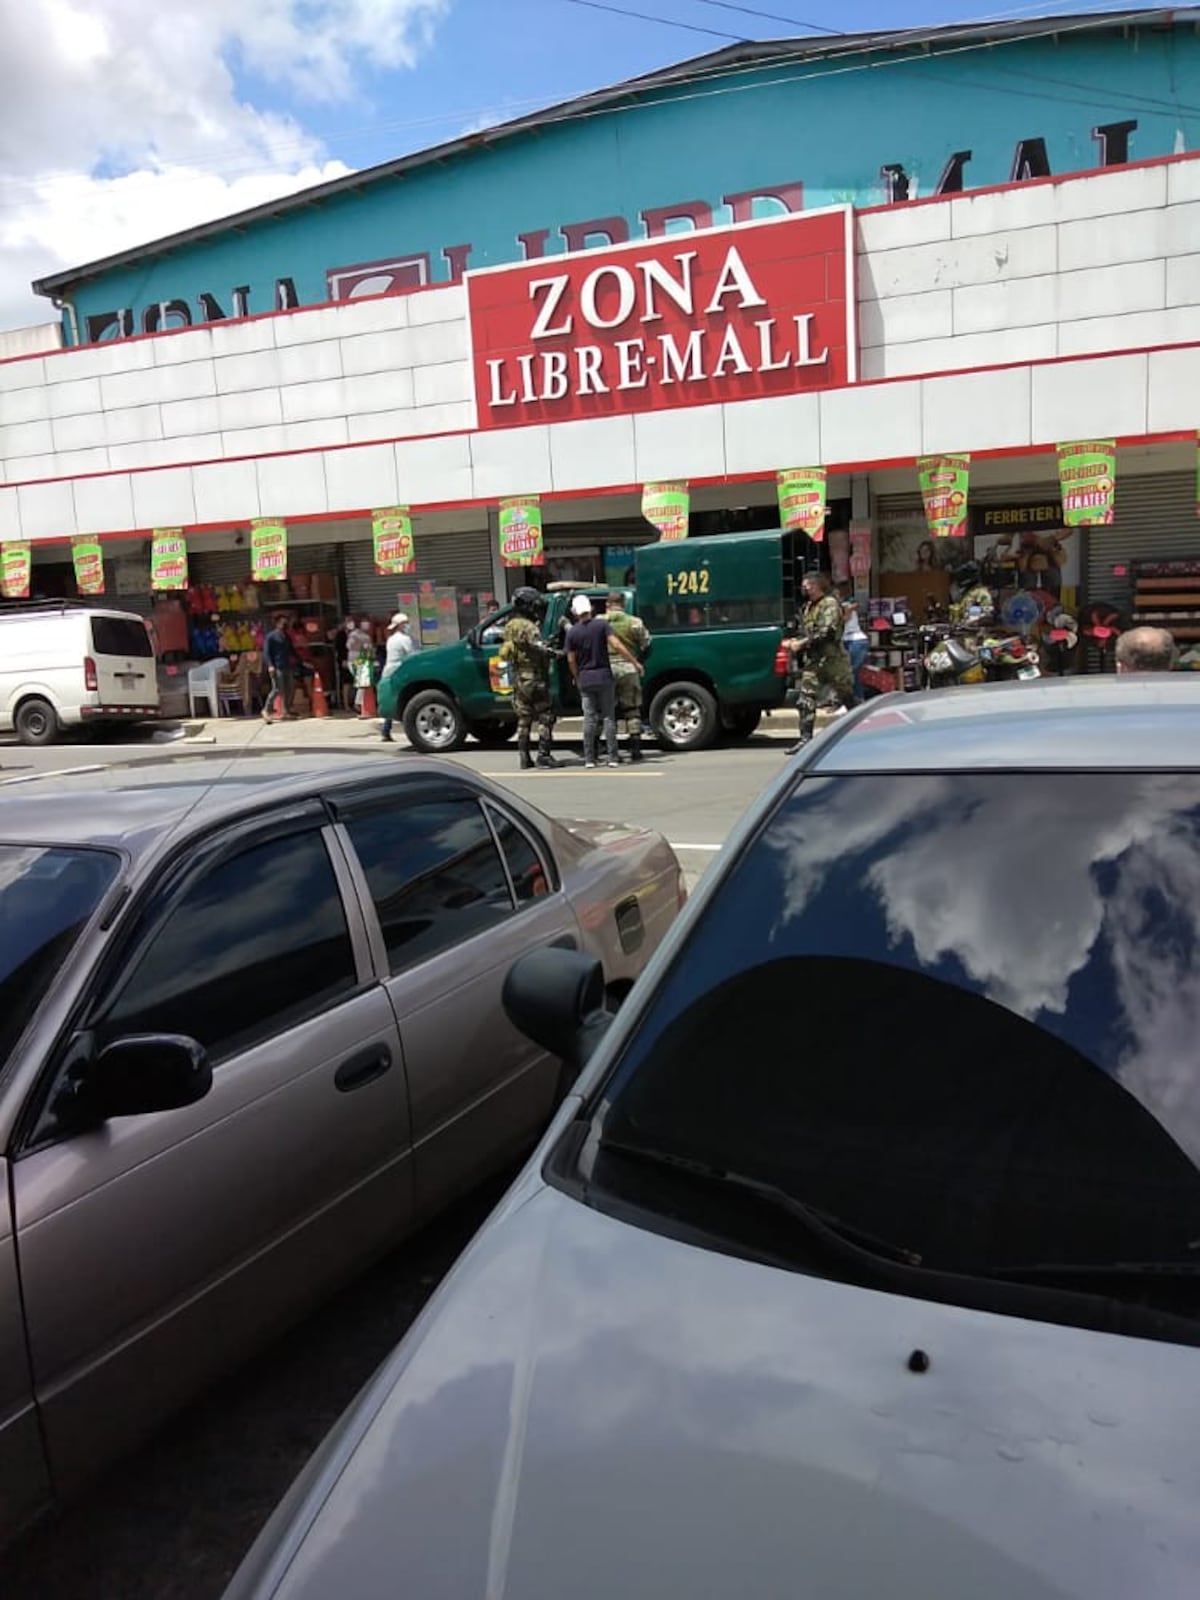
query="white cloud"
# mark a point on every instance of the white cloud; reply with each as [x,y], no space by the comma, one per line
[122,119]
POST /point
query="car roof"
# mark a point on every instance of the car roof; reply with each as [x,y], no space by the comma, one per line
[132,805]
[1129,721]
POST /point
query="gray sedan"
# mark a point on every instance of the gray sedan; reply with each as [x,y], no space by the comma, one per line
[862,1258]
[251,1033]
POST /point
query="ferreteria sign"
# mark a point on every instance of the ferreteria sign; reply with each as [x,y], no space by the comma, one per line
[738,313]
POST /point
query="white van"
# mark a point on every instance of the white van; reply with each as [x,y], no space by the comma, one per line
[65,665]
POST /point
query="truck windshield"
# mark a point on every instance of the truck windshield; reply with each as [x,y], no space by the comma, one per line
[46,898]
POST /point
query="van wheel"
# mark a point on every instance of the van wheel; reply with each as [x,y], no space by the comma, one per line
[36,722]
[433,723]
[684,717]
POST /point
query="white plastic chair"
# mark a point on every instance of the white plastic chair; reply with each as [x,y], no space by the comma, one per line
[202,685]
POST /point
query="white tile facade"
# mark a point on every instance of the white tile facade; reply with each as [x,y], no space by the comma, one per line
[343,407]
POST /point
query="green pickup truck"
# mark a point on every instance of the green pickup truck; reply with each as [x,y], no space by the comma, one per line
[716,609]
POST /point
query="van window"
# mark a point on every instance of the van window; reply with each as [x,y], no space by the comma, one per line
[120,636]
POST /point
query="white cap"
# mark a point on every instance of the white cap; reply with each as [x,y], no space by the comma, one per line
[581,606]
[398,620]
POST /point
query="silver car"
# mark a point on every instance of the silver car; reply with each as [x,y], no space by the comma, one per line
[863,1260]
[250,1034]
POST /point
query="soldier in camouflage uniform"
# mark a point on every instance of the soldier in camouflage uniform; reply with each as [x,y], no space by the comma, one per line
[529,657]
[823,663]
[635,636]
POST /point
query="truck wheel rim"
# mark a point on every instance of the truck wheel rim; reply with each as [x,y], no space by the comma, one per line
[681,717]
[436,726]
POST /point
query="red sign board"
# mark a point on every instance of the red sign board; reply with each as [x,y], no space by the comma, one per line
[737,313]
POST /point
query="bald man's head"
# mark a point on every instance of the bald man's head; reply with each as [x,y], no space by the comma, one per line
[1146,650]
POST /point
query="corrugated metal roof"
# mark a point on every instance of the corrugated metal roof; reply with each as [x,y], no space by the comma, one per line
[730,59]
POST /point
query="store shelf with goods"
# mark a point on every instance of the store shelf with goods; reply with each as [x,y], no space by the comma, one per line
[1166,594]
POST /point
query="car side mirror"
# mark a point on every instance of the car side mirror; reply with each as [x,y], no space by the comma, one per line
[556,998]
[133,1076]
[473,637]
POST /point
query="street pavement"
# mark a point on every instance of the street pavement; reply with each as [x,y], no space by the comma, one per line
[173,1522]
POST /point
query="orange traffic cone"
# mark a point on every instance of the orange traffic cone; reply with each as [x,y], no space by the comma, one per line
[320,705]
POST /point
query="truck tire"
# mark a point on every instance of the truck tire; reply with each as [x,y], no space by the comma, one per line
[433,723]
[36,721]
[684,717]
[740,725]
[492,734]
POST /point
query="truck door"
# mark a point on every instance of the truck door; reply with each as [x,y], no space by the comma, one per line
[481,701]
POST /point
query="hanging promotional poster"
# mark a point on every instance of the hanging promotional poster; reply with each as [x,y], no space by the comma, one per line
[268,550]
[860,553]
[395,548]
[521,532]
[802,492]
[944,481]
[168,559]
[665,507]
[1087,475]
[16,570]
[88,561]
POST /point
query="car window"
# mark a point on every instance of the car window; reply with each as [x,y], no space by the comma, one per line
[959,1013]
[530,879]
[120,636]
[434,872]
[46,898]
[254,946]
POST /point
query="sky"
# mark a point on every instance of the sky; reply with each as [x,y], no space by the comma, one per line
[122,121]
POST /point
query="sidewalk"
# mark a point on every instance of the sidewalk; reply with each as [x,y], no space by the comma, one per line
[342,730]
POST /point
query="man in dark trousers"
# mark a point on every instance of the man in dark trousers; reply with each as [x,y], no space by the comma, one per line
[588,642]
[281,660]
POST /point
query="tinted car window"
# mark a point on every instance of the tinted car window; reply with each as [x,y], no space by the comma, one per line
[46,897]
[120,636]
[960,1013]
[254,946]
[525,866]
[434,873]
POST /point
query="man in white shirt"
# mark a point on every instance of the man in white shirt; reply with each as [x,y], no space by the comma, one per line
[400,645]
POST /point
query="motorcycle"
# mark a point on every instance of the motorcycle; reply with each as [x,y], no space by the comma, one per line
[956,657]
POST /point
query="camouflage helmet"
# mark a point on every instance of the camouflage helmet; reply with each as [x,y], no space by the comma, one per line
[529,603]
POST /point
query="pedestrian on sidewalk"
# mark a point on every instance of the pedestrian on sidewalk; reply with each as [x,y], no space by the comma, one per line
[400,645]
[1146,650]
[360,653]
[281,660]
[627,684]
[588,658]
[855,641]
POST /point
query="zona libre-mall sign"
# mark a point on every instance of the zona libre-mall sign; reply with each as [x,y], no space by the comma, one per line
[737,313]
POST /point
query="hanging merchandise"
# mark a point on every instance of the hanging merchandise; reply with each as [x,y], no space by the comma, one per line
[802,500]
[944,481]
[268,550]
[168,559]
[1087,476]
[89,565]
[860,552]
[395,549]
[16,565]
[665,507]
[521,532]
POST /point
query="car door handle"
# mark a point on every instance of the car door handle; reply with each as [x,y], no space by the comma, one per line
[357,1071]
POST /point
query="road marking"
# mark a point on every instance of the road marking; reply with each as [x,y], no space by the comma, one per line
[708,849]
[55,772]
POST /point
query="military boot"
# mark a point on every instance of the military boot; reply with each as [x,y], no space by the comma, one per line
[545,755]
[523,751]
[635,747]
[808,723]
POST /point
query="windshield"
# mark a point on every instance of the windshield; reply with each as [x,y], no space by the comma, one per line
[956,1012]
[46,898]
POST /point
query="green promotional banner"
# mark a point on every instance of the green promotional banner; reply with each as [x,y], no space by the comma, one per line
[268,550]
[944,481]
[395,549]
[16,567]
[168,559]
[1087,476]
[665,507]
[89,566]
[521,532]
[802,500]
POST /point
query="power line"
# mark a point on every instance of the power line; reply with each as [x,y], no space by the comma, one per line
[772,16]
[645,16]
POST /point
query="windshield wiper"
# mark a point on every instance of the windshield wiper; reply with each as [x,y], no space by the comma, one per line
[834,1233]
[1116,1272]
